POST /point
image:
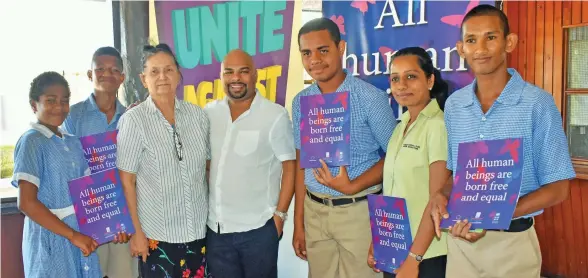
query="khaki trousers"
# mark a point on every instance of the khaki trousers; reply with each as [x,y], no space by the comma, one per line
[337,239]
[116,261]
[496,255]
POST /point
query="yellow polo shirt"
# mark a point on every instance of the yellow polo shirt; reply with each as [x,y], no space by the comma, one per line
[406,168]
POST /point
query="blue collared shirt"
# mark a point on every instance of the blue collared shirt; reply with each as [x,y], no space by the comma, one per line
[372,124]
[521,111]
[85,118]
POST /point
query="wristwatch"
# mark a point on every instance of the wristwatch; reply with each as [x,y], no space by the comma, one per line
[283,215]
[418,258]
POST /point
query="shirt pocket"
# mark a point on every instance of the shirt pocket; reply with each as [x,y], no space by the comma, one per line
[246,142]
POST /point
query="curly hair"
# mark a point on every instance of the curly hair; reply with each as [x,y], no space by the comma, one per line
[44,80]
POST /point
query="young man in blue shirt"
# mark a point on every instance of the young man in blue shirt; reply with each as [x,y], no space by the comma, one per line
[499,104]
[100,113]
[332,227]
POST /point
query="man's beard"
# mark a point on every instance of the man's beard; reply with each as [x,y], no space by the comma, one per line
[237,95]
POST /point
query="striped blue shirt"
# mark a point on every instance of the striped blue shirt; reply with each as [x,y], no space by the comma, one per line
[372,124]
[170,166]
[85,118]
[521,111]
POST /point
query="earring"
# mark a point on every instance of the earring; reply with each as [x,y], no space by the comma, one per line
[430,89]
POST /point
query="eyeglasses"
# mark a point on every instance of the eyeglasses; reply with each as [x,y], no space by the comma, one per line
[178,144]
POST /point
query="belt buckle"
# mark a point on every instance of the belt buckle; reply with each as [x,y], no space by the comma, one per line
[327,202]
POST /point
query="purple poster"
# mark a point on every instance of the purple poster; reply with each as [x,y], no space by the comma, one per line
[486,183]
[100,206]
[100,150]
[324,130]
[201,33]
[391,233]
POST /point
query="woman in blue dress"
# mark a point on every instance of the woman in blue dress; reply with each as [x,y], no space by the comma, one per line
[45,159]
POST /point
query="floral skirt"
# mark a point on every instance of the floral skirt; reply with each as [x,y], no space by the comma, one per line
[175,260]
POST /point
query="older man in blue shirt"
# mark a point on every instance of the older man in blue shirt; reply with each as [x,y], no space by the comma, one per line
[97,114]
[499,104]
[332,228]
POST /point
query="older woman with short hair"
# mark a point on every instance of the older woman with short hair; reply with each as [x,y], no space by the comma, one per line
[161,157]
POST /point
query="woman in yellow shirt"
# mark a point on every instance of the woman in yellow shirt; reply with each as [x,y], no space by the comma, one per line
[416,158]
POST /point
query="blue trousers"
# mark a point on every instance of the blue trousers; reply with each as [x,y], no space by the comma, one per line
[251,254]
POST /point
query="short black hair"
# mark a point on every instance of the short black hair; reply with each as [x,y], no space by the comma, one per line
[319,24]
[108,51]
[44,80]
[485,10]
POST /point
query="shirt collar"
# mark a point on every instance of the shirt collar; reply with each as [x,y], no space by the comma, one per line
[429,111]
[153,109]
[92,105]
[46,131]
[510,95]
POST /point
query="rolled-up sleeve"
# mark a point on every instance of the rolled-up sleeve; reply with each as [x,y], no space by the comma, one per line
[449,146]
[296,121]
[28,161]
[69,124]
[129,143]
[282,138]
[437,142]
[381,118]
[206,123]
[550,147]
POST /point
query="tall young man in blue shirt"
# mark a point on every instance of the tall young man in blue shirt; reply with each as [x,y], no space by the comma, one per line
[332,228]
[499,104]
[100,113]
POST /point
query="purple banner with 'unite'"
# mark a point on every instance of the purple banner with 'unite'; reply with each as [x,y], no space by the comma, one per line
[201,33]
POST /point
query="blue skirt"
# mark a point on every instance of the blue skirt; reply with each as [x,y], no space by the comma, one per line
[48,255]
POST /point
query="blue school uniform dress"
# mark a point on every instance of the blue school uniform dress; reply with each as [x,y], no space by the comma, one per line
[49,162]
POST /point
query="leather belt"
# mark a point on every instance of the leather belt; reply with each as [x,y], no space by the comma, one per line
[339,201]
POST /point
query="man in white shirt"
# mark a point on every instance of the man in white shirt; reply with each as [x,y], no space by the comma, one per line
[251,175]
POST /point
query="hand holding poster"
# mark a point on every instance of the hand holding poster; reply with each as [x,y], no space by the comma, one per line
[100,150]
[100,206]
[324,130]
[486,184]
[391,234]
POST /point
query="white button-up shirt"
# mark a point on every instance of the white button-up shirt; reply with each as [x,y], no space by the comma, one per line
[246,163]
[171,193]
